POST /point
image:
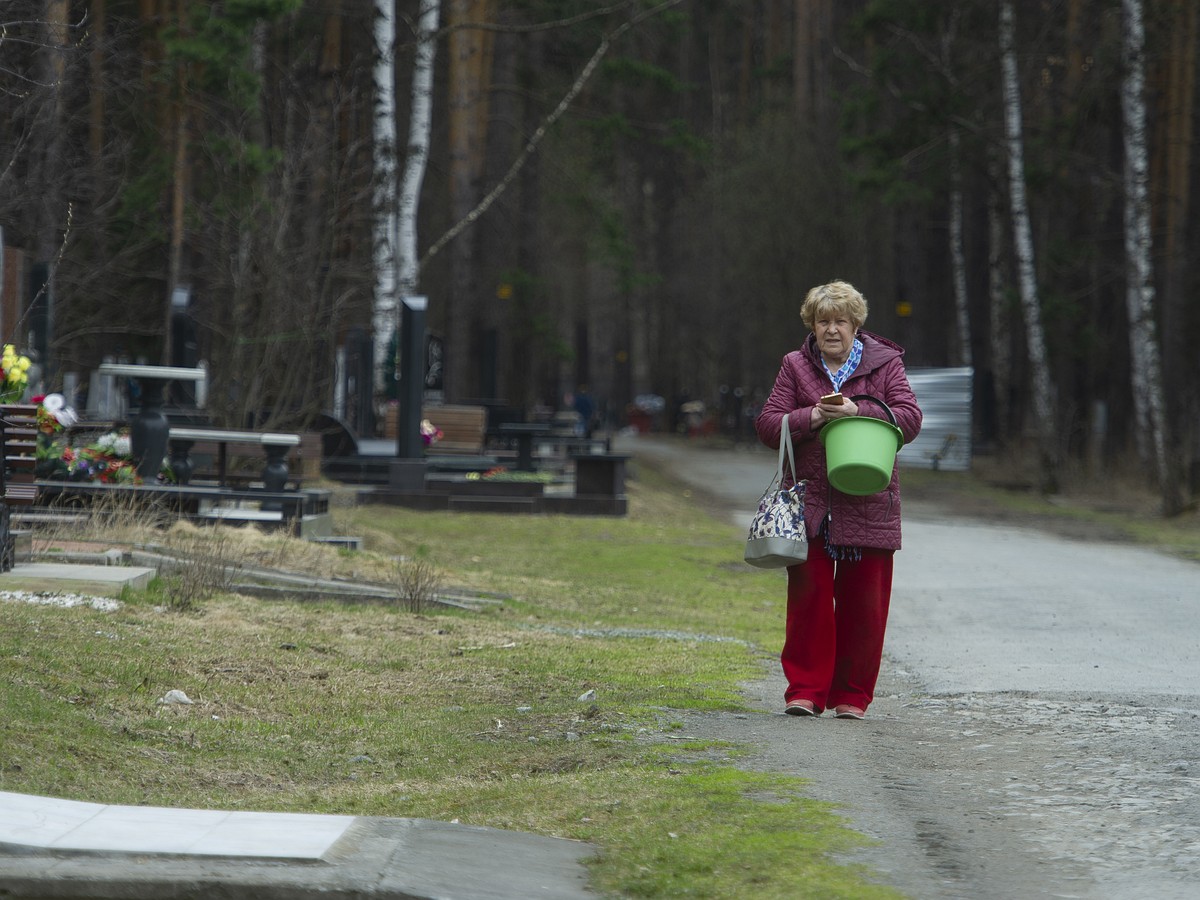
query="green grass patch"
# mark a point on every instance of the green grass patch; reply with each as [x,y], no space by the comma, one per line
[553,712]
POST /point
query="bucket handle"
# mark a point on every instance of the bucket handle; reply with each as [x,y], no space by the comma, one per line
[887,409]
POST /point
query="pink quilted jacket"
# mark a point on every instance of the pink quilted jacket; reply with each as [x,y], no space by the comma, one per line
[871,521]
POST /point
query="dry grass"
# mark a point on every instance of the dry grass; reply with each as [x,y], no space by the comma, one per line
[376,710]
[417,583]
[247,546]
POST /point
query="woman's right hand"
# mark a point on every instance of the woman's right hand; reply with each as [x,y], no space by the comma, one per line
[827,412]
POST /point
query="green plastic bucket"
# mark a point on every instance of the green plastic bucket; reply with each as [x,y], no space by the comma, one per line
[860,452]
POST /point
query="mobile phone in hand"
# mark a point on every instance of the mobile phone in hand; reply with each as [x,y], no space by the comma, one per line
[833,399]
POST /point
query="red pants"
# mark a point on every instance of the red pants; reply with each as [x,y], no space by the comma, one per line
[835,625]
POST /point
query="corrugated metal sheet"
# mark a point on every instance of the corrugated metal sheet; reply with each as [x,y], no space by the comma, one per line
[945,439]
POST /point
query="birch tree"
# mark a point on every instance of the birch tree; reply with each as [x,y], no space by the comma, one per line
[384,137]
[958,256]
[1023,243]
[1146,371]
[399,232]
[998,318]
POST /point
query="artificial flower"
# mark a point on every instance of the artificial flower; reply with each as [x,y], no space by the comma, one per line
[53,414]
[14,374]
[430,433]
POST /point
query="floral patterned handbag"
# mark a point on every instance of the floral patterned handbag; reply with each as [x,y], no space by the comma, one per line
[777,534]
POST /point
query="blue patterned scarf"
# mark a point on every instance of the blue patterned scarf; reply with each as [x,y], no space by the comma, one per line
[839,377]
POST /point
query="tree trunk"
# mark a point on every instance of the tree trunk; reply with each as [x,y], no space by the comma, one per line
[529,262]
[179,166]
[1146,371]
[397,266]
[1183,432]
[1023,242]
[998,319]
[812,40]
[97,93]
[958,256]
[803,60]
[52,210]
[470,66]
[417,156]
[179,180]
[385,213]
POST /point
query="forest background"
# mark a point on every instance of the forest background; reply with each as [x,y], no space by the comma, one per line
[1008,182]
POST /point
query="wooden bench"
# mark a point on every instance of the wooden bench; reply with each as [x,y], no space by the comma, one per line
[20,432]
[183,440]
[18,482]
[464,429]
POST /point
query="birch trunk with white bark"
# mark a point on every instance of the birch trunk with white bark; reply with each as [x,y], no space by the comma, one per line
[1023,243]
[384,135]
[1146,371]
[397,265]
[408,264]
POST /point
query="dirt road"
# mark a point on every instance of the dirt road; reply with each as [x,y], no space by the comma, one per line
[1037,727]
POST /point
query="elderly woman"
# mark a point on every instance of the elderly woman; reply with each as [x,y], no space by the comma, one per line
[837,601]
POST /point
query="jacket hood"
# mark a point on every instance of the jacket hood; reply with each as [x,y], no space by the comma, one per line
[877,350]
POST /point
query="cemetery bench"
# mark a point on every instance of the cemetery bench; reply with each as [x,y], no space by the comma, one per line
[525,433]
[540,441]
[464,429]
[148,429]
[568,446]
[275,473]
[18,484]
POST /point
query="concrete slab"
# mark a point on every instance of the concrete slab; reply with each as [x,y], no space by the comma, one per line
[104,581]
[65,825]
[75,850]
[86,851]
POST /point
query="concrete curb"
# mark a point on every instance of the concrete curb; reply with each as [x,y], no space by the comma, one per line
[383,858]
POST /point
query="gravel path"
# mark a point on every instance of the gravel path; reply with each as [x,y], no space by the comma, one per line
[1037,726]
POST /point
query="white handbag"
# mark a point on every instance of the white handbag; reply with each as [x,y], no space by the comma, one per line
[778,537]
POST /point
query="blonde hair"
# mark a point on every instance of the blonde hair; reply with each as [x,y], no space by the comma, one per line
[833,298]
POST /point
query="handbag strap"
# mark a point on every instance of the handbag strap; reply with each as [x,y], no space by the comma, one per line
[785,451]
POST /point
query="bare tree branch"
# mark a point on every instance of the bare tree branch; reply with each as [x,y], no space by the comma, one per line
[532,144]
[526,29]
